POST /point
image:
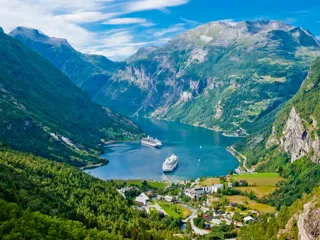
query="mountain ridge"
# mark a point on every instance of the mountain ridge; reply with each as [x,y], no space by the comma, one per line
[197,80]
[43,112]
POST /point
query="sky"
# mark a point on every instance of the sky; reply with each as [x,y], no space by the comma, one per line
[117,28]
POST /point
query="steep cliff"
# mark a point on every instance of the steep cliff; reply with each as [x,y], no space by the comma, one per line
[296,129]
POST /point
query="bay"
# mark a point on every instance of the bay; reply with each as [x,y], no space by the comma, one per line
[201,153]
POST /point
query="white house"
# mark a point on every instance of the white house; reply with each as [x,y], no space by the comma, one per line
[214,188]
[142,199]
[216,222]
[248,219]
[169,198]
[194,192]
[230,185]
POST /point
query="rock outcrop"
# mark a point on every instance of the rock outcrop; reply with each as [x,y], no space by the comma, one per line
[295,140]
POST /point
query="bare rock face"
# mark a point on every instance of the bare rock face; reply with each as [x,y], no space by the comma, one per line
[296,140]
[309,221]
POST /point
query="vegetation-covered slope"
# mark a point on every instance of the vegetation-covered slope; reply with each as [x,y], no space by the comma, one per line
[295,132]
[44,113]
[219,75]
[90,72]
[42,199]
[298,221]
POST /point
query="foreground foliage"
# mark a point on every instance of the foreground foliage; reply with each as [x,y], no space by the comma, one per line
[48,197]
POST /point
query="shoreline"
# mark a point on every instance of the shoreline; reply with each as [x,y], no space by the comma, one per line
[220,131]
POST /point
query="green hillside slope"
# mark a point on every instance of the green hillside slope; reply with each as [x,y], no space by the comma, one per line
[219,75]
[44,113]
[42,199]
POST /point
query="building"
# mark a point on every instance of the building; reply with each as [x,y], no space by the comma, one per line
[194,193]
[160,197]
[248,219]
[214,188]
[142,199]
[169,199]
[216,222]
[230,185]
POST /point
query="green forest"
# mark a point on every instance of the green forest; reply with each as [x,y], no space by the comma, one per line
[42,199]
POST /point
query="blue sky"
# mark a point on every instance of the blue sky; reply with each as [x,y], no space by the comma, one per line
[117,28]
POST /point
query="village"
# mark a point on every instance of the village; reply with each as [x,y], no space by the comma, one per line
[205,205]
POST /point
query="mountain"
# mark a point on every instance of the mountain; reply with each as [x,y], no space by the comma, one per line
[142,53]
[224,76]
[44,113]
[90,72]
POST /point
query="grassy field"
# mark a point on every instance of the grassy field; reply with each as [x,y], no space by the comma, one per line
[260,191]
[175,210]
[185,212]
[169,209]
[250,203]
[259,179]
[154,184]
[210,181]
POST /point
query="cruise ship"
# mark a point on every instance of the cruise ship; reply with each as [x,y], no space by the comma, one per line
[152,142]
[170,163]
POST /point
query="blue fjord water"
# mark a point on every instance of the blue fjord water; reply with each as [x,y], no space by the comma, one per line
[201,152]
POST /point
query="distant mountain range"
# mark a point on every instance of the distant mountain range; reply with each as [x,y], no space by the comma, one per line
[224,76]
[44,113]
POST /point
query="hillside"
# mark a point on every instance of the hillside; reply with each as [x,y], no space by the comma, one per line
[90,72]
[42,112]
[41,199]
[295,131]
[225,76]
[299,221]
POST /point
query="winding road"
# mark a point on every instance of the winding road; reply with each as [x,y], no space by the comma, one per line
[190,218]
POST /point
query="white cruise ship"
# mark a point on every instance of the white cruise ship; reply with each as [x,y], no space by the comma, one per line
[152,142]
[170,163]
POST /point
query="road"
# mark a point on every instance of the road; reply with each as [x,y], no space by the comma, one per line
[190,218]
[157,207]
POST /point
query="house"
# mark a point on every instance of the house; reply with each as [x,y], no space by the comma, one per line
[194,192]
[216,222]
[160,197]
[248,219]
[142,199]
[233,204]
[214,188]
[207,217]
[230,185]
[169,198]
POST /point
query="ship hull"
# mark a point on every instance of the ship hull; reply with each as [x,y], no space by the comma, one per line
[149,144]
[169,169]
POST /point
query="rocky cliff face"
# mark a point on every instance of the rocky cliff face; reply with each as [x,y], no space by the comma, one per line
[296,129]
[295,140]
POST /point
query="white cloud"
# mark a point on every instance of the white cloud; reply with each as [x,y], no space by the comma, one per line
[192,22]
[87,17]
[142,5]
[172,29]
[125,21]
[69,19]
